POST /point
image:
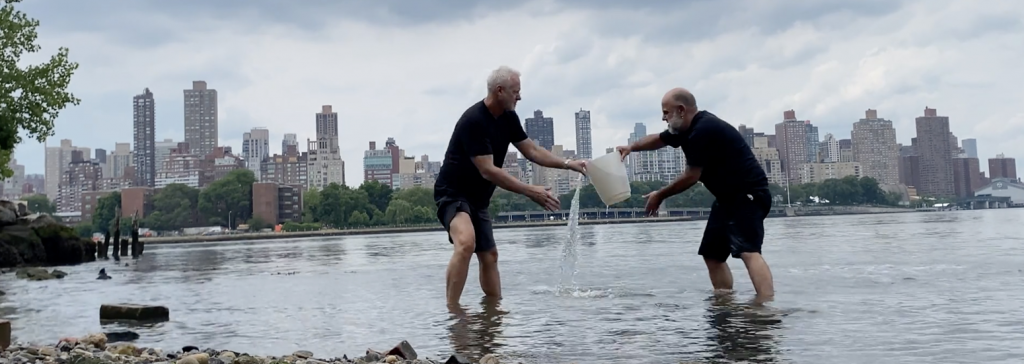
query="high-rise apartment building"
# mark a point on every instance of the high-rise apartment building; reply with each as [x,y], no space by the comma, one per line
[13,186]
[1002,167]
[100,156]
[876,149]
[289,168]
[909,165]
[828,151]
[819,172]
[144,126]
[57,160]
[541,129]
[966,176]
[769,159]
[163,150]
[954,146]
[812,142]
[201,123]
[936,155]
[289,139]
[182,166]
[255,148]
[845,150]
[791,140]
[970,147]
[80,176]
[325,163]
[584,143]
[380,164]
[120,160]
[665,164]
[749,134]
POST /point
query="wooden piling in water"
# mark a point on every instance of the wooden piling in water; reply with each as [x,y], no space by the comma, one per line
[136,251]
[104,248]
[117,233]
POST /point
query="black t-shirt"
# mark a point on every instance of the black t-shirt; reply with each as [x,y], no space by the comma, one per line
[728,166]
[476,133]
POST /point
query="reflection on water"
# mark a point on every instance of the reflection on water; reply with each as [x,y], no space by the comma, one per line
[902,288]
[742,333]
[477,332]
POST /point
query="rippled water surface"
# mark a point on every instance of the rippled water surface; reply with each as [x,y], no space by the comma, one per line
[899,288]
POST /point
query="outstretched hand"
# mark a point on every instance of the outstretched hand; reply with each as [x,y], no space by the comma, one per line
[623,151]
[543,197]
[654,200]
[578,166]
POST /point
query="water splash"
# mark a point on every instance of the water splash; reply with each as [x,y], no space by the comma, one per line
[570,255]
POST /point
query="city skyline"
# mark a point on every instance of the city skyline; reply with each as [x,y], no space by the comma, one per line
[826,70]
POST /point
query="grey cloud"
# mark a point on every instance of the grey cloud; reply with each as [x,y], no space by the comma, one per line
[132,22]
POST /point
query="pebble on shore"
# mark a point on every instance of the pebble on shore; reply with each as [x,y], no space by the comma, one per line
[94,349]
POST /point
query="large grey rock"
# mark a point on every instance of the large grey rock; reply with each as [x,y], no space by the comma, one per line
[8,216]
[403,350]
[457,359]
[132,312]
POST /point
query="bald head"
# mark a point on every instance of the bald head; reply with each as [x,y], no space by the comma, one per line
[678,107]
[680,96]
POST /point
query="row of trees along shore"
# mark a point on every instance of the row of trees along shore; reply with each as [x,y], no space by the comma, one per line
[836,192]
[374,204]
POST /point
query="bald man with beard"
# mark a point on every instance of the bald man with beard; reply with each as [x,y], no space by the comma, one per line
[719,157]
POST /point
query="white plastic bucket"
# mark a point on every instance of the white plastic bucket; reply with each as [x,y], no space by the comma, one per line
[608,175]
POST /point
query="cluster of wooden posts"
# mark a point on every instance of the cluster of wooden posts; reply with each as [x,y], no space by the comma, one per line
[121,250]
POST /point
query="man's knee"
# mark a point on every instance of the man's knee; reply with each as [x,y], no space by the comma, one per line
[489,257]
[462,234]
[714,263]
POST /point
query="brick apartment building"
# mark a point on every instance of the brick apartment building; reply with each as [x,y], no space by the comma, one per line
[275,203]
[290,168]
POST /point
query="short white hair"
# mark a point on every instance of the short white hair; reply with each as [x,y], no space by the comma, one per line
[500,77]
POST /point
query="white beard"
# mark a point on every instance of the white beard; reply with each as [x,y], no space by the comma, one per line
[671,125]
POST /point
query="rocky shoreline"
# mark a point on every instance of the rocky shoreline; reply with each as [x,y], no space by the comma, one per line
[95,349]
[39,240]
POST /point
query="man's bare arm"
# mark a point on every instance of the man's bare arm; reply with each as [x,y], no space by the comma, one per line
[539,155]
[683,183]
[498,176]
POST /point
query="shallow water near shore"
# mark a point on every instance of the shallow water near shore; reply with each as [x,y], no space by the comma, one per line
[895,288]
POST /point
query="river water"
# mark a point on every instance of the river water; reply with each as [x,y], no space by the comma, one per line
[938,287]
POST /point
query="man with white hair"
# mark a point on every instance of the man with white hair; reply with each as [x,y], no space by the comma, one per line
[716,155]
[472,169]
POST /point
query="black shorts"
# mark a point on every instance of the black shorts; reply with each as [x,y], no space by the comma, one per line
[736,226]
[448,207]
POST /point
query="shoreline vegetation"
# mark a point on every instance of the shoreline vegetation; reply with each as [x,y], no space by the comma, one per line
[227,204]
[95,349]
[778,211]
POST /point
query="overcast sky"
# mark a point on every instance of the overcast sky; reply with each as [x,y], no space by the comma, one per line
[408,69]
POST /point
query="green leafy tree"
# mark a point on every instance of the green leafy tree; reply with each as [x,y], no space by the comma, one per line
[359,219]
[378,193]
[174,207]
[400,212]
[310,206]
[231,195]
[31,96]
[38,203]
[84,230]
[416,196]
[106,211]
[257,224]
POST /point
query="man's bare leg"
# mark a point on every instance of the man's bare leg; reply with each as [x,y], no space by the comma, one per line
[464,242]
[721,276]
[760,275]
[490,279]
